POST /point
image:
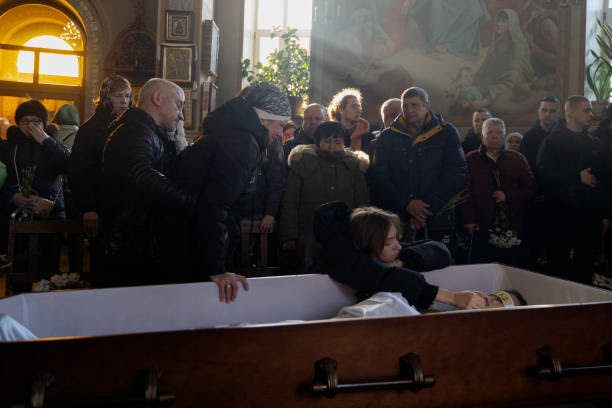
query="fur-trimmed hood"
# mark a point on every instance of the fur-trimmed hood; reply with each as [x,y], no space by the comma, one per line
[358,158]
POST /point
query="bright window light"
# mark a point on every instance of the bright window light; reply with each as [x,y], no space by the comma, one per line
[50,64]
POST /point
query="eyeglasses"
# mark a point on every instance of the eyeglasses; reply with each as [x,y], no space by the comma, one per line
[34,122]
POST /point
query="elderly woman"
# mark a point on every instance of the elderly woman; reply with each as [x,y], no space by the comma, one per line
[67,119]
[85,161]
[345,108]
[513,141]
[319,174]
[361,249]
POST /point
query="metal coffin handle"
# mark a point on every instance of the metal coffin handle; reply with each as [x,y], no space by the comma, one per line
[411,377]
[550,367]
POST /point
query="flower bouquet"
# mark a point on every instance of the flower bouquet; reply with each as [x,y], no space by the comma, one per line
[501,234]
[61,281]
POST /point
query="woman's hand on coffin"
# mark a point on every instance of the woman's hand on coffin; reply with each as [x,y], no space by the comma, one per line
[91,225]
[470,228]
[228,285]
[397,262]
[289,245]
[470,300]
[23,202]
[266,225]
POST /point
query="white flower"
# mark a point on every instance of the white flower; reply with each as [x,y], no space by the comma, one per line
[43,286]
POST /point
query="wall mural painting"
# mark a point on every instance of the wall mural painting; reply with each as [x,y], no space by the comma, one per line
[468,54]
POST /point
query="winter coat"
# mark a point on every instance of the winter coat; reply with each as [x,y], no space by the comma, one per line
[220,169]
[346,264]
[471,141]
[531,143]
[50,159]
[429,166]
[269,186]
[86,161]
[299,138]
[562,156]
[314,180]
[517,182]
[134,186]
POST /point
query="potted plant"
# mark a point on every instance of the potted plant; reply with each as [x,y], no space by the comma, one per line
[599,72]
[287,67]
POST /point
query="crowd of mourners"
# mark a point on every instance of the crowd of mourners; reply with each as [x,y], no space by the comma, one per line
[330,194]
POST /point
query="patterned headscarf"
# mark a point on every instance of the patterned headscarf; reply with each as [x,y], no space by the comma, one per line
[268,101]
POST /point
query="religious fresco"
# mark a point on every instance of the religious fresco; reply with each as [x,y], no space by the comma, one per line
[500,54]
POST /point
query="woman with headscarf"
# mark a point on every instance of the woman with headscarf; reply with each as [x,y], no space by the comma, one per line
[67,119]
[507,66]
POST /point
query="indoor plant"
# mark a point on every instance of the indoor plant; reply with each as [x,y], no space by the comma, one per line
[287,68]
[599,72]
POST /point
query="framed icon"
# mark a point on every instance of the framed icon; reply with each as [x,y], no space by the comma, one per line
[179,26]
[177,64]
[210,47]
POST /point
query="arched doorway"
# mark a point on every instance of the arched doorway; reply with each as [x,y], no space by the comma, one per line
[42,56]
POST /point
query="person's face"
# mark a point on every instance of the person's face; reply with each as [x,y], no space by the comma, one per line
[172,108]
[548,113]
[467,78]
[513,143]
[494,302]
[391,248]
[477,120]
[120,100]
[390,112]
[501,25]
[28,122]
[582,113]
[275,127]
[288,133]
[313,117]
[332,144]
[352,111]
[414,110]
[494,137]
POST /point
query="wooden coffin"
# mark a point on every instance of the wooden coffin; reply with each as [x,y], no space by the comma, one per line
[276,346]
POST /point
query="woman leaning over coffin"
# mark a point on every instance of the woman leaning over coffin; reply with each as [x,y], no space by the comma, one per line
[361,249]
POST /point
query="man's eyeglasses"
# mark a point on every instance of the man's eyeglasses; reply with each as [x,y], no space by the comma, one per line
[34,122]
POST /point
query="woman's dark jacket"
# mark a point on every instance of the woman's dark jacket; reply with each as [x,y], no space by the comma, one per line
[270,185]
[604,134]
[563,155]
[135,188]
[429,166]
[220,169]
[86,161]
[517,182]
[346,264]
[50,159]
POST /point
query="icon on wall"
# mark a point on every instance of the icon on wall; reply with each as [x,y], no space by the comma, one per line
[179,26]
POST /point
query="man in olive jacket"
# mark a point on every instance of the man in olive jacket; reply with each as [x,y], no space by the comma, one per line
[418,166]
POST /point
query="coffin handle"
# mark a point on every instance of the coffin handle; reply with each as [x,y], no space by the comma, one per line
[551,368]
[411,377]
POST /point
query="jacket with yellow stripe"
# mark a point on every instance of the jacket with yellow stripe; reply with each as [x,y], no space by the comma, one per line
[428,166]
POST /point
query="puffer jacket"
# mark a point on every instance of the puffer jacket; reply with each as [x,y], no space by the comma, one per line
[134,187]
[343,262]
[50,159]
[314,180]
[429,166]
[220,169]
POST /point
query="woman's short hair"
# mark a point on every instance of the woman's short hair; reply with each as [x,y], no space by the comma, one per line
[333,129]
[289,125]
[32,107]
[109,86]
[370,226]
[340,100]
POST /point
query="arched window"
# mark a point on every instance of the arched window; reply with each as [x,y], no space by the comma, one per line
[42,56]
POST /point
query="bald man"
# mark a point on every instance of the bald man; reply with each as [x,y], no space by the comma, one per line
[314,115]
[137,156]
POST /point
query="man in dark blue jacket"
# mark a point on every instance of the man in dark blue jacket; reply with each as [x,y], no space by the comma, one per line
[418,166]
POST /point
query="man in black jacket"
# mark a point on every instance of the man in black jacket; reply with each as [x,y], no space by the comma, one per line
[221,168]
[136,158]
[548,114]
[473,137]
[567,166]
